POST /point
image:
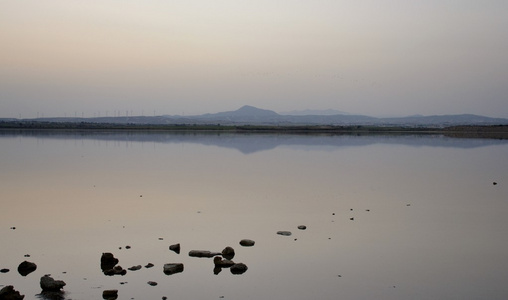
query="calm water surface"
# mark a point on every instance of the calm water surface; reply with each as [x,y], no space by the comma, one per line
[428,222]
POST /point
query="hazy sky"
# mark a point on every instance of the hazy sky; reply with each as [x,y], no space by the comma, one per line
[373,57]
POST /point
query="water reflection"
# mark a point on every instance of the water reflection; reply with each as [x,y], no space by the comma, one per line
[252,143]
[385,217]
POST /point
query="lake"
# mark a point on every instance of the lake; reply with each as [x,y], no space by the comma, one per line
[386,216]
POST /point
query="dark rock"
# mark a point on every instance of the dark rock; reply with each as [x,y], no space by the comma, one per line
[108,261]
[203,253]
[173,268]
[228,253]
[149,265]
[152,283]
[302,227]
[48,284]
[13,228]
[4,270]
[175,248]
[127,247]
[135,268]
[26,268]
[223,263]
[217,270]
[285,233]
[494,183]
[247,243]
[238,269]
[9,293]
[117,270]
[110,294]
[352,219]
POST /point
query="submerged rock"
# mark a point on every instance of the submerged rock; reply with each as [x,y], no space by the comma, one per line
[9,293]
[4,270]
[175,248]
[48,284]
[203,253]
[173,268]
[238,269]
[228,253]
[149,265]
[117,270]
[284,233]
[223,263]
[302,227]
[26,268]
[247,243]
[152,283]
[135,268]
[110,294]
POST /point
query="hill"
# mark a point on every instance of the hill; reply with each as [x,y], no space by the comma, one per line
[249,115]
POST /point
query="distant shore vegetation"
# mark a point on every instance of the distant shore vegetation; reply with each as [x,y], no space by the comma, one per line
[465,131]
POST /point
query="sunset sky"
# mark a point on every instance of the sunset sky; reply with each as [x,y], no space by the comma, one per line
[373,57]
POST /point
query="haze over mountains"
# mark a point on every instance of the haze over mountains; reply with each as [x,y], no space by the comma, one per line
[249,115]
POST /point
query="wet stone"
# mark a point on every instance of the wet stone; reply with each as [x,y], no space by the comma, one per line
[238,269]
[135,268]
[173,268]
[9,293]
[26,268]
[228,253]
[110,294]
[175,248]
[49,284]
[284,233]
[247,243]
[203,253]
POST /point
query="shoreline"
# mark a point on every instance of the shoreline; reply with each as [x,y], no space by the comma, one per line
[461,131]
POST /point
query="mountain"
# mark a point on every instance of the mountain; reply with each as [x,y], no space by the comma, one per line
[250,115]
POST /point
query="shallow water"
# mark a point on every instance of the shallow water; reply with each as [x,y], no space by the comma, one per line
[428,222]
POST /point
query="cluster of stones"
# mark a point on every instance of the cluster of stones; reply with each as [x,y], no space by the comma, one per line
[224,259]
[110,267]
[51,288]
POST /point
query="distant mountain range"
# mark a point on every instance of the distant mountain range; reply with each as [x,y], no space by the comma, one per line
[249,115]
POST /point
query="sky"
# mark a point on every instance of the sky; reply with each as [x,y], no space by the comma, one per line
[63,58]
